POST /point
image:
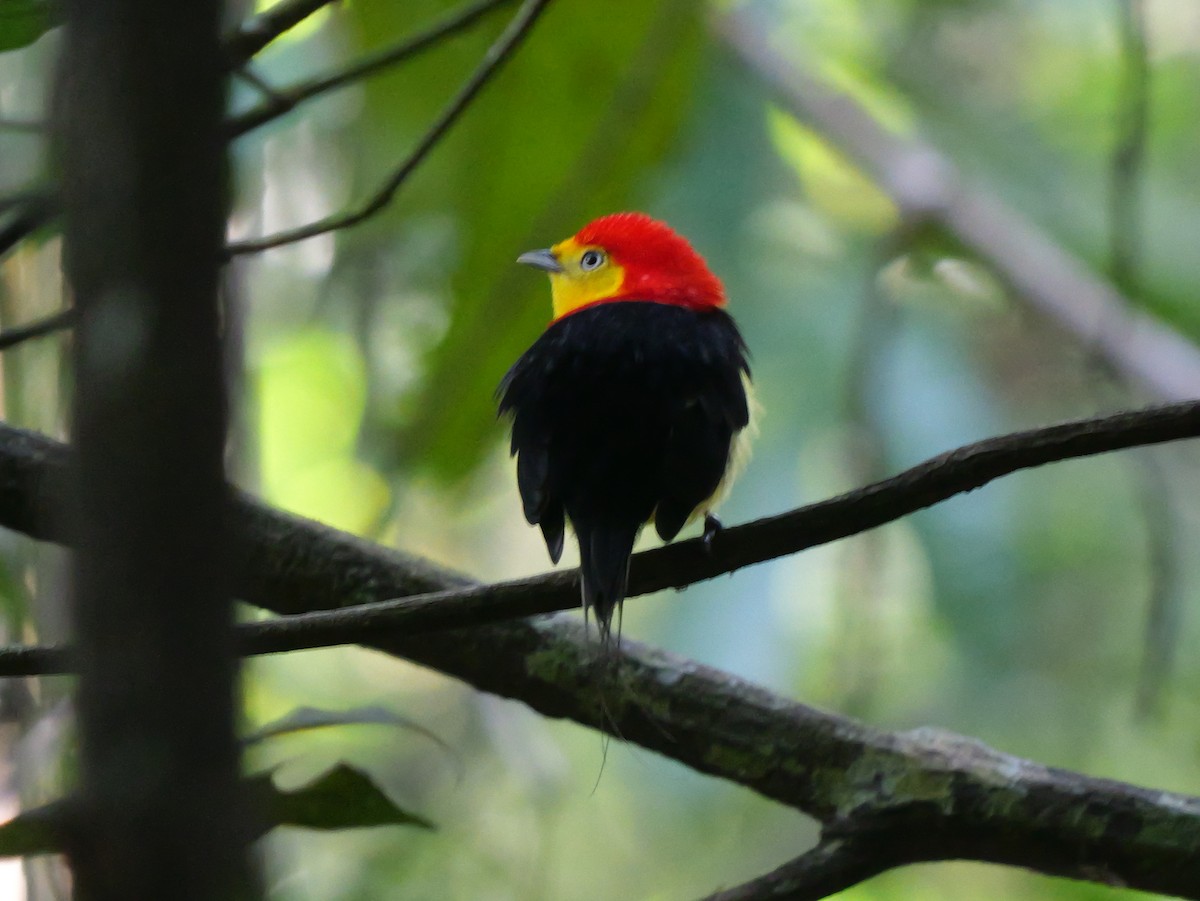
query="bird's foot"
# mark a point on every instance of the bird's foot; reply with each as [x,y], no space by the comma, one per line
[712,527]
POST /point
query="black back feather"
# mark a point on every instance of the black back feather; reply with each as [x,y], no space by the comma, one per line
[622,412]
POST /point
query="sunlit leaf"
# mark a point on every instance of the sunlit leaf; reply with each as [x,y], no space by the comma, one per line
[304,28]
[312,391]
[831,182]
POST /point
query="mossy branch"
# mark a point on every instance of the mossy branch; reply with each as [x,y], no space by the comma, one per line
[884,799]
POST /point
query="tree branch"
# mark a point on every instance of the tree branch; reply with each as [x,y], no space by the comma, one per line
[1129,154]
[258,31]
[926,187]
[20,198]
[509,40]
[1125,251]
[55,322]
[284,101]
[922,795]
[35,211]
[944,814]
[832,866]
[684,563]
[421,610]
[29,126]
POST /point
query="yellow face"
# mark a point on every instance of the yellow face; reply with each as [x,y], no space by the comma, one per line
[588,275]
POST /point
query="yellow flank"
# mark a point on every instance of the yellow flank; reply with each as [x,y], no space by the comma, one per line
[577,286]
[739,453]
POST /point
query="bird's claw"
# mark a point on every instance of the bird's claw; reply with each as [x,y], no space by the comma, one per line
[712,527]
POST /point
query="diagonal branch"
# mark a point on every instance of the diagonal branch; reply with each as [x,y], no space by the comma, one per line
[1160,635]
[495,57]
[28,126]
[1129,154]
[914,796]
[687,562]
[927,188]
[258,32]
[21,198]
[920,795]
[284,101]
[34,211]
[832,866]
[55,322]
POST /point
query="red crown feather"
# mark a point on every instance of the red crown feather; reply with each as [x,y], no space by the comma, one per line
[660,265]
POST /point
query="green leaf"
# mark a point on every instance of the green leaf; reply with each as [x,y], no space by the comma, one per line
[563,134]
[23,21]
[36,831]
[343,798]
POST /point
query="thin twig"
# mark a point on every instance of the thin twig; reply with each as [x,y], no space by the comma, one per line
[1126,179]
[1129,154]
[43,660]
[37,210]
[284,101]
[832,866]
[1161,632]
[256,33]
[632,106]
[56,322]
[247,74]
[260,31]
[495,57]
[856,592]
[20,198]
[31,126]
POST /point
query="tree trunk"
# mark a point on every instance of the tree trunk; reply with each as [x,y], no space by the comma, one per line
[141,98]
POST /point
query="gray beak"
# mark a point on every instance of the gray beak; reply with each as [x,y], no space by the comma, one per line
[541,259]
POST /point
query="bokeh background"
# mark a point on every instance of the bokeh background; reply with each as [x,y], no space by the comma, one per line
[1051,615]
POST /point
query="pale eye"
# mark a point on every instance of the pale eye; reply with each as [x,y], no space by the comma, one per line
[591,259]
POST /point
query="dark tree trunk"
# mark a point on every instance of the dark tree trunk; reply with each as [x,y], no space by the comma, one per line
[140,102]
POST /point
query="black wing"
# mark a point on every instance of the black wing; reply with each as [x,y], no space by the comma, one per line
[622,411]
[712,407]
[523,395]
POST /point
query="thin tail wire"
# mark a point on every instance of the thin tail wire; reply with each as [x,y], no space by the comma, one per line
[604,552]
[604,568]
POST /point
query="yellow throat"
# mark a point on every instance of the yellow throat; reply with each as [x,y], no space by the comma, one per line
[576,286]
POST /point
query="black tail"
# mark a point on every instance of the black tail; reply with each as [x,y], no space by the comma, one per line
[604,562]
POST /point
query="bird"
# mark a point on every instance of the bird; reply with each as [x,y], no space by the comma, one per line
[633,406]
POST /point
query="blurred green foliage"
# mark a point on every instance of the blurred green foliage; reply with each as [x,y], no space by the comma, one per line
[23,21]
[1016,614]
[342,798]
